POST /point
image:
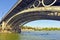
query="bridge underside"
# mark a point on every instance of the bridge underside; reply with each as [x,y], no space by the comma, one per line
[15,21]
[18,21]
[33,16]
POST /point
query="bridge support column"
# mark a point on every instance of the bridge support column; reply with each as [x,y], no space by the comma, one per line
[3,25]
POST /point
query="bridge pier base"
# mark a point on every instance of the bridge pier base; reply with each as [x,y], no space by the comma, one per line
[15,29]
[3,25]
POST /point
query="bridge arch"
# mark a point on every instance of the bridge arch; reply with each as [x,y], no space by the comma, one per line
[26,16]
[32,14]
[29,15]
[39,9]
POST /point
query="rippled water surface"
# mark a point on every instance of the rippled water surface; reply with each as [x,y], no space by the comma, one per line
[32,35]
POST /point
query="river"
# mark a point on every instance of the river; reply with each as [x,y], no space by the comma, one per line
[31,35]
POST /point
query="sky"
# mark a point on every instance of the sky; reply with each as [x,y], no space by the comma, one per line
[6,5]
[44,23]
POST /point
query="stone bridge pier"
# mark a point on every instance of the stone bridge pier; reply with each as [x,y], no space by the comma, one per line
[7,27]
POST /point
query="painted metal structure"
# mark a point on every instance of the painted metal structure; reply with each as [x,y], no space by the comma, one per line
[25,11]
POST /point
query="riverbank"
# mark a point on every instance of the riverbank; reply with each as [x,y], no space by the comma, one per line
[39,29]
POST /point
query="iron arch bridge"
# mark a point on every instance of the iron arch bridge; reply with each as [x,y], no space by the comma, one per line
[25,11]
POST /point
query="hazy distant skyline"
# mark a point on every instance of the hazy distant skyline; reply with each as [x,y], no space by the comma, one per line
[6,5]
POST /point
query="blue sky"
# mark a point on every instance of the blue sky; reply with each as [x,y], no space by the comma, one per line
[5,6]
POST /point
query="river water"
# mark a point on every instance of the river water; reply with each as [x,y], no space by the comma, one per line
[31,35]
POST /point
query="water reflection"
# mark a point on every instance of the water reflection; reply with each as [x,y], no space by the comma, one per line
[13,36]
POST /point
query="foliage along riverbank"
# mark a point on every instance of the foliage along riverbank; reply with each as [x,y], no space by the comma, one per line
[39,29]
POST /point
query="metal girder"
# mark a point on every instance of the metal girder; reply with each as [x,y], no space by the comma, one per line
[53,8]
[28,3]
[32,16]
[19,6]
